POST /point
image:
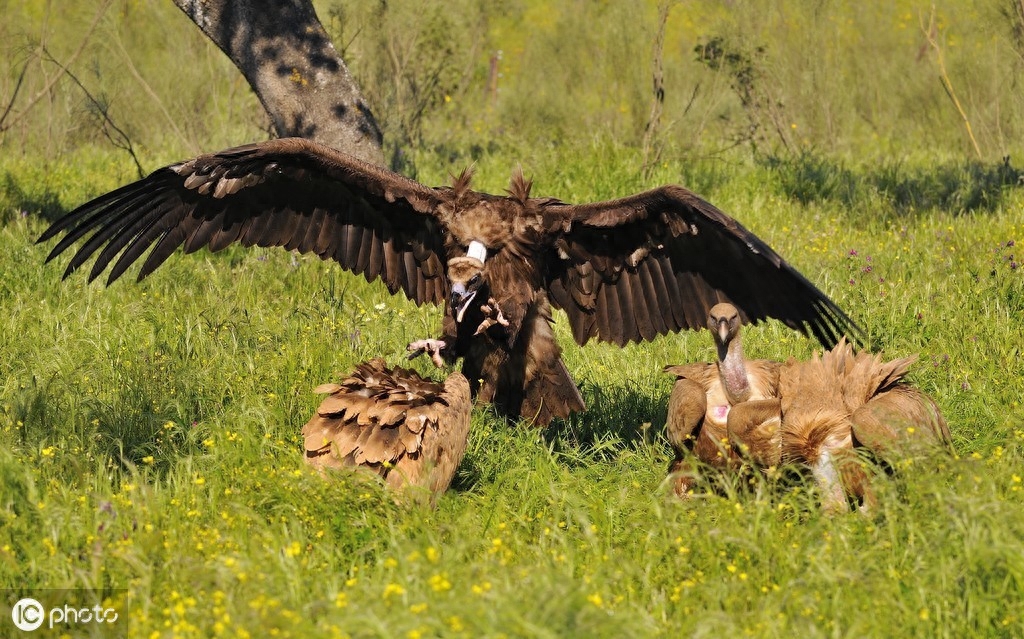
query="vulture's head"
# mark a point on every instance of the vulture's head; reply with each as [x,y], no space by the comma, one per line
[466,274]
[724,323]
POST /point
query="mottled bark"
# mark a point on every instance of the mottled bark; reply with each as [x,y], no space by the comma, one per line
[287,57]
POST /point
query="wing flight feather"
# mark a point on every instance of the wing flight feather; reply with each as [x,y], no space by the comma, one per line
[290,192]
[662,258]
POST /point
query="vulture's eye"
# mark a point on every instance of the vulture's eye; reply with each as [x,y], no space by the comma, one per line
[474,280]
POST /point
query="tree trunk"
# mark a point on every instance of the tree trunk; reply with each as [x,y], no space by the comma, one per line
[287,57]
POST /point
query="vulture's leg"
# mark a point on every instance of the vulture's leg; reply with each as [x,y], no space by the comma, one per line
[841,473]
[857,481]
[755,429]
[896,421]
[550,392]
[686,408]
[830,483]
[540,387]
[683,476]
[431,346]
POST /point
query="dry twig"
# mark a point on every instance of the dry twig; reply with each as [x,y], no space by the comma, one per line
[658,101]
[119,138]
[931,33]
[7,124]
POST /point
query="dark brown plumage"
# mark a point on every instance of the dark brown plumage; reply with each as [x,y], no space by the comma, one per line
[408,430]
[841,401]
[624,270]
[725,411]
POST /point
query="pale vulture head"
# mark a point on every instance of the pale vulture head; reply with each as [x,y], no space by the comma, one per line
[724,323]
[466,277]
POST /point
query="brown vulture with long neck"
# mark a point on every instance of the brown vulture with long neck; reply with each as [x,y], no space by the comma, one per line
[726,411]
[815,413]
[624,270]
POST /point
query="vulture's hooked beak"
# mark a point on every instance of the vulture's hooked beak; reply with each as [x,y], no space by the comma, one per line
[723,330]
[460,300]
[466,275]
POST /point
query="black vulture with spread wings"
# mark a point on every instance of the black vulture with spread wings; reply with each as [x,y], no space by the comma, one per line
[623,271]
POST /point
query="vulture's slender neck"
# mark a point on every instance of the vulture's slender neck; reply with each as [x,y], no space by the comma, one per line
[732,368]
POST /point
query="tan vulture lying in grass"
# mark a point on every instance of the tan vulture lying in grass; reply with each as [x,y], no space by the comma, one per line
[816,413]
[408,430]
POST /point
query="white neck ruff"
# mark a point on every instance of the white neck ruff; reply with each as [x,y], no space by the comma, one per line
[477,250]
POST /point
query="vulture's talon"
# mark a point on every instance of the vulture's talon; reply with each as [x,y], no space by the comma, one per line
[484,325]
[492,316]
[431,346]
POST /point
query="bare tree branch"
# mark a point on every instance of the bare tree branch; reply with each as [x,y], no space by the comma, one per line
[14,95]
[931,33]
[658,101]
[121,140]
[49,85]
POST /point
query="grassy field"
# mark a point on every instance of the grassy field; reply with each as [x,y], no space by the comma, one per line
[149,441]
[149,432]
[858,81]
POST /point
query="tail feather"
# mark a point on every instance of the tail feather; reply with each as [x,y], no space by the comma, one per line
[869,376]
[551,393]
[861,375]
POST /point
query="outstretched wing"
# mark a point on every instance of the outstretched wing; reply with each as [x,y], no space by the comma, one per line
[653,263]
[290,192]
